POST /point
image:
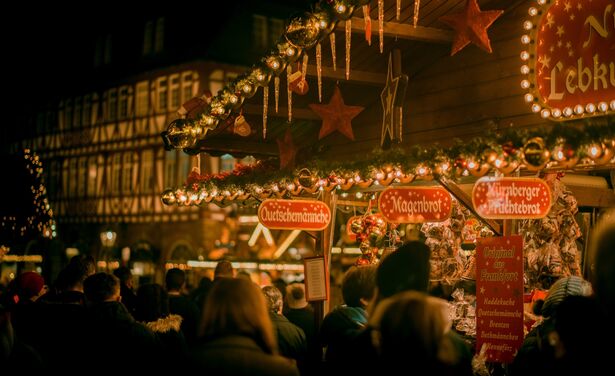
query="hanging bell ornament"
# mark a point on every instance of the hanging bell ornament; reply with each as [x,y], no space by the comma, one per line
[535,154]
[168,197]
[303,31]
[600,153]
[356,226]
[343,9]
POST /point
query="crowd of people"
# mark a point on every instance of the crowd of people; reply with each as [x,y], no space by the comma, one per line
[231,326]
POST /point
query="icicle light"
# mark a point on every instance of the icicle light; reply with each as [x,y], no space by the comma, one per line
[319,70]
[415,16]
[381,24]
[333,52]
[304,66]
[265,108]
[348,38]
[289,71]
[276,92]
[397,15]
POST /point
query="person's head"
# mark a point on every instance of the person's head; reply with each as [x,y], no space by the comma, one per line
[124,274]
[152,303]
[358,285]
[273,296]
[29,286]
[72,276]
[295,296]
[412,323]
[235,306]
[245,275]
[102,287]
[405,269]
[603,264]
[175,279]
[562,288]
[224,269]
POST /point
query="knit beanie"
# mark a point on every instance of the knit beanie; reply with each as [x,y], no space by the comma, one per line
[563,288]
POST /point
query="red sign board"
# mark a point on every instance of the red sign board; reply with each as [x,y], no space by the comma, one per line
[510,198]
[294,215]
[499,297]
[574,56]
[415,204]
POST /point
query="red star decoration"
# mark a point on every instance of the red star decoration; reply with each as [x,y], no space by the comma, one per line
[336,116]
[471,26]
[288,151]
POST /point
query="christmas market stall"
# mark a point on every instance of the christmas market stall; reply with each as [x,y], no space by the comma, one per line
[499,157]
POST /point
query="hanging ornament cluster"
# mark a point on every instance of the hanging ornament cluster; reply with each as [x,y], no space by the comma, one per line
[370,231]
[586,146]
[550,248]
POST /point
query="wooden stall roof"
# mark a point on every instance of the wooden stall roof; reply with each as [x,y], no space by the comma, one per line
[447,97]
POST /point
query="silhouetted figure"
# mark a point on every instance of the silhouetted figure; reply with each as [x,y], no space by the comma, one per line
[224,269]
[237,336]
[301,313]
[26,290]
[181,305]
[15,356]
[199,294]
[126,288]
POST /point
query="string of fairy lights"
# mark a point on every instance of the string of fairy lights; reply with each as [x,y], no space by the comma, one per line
[42,219]
[563,147]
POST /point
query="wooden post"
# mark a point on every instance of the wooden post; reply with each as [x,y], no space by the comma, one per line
[323,247]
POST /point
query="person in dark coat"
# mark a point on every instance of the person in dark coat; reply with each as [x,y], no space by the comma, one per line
[152,309]
[15,356]
[180,304]
[236,336]
[114,337]
[345,322]
[129,298]
[301,313]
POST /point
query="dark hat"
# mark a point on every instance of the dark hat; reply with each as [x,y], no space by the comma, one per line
[29,284]
[405,269]
[562,288]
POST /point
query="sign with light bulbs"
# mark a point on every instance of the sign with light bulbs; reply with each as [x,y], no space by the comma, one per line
[568,58]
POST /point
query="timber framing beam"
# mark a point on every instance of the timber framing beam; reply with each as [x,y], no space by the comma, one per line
[403,31]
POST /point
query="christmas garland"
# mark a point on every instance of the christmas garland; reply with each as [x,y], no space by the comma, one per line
[564,147]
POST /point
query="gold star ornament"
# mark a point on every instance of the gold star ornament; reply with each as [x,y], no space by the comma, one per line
[388,99]
[336,116]
[471,26]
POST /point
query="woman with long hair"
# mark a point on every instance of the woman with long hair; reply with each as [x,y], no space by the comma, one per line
[236,334]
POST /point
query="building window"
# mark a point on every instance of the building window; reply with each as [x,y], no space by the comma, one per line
[92,173]
[227,163]
[148,37]
[259,32]
[77,113]
[116,167]
[276,28]
[123,102]
[162,94]
[147,167]
[216,81]
[174,89]
[55,178]
[72,171]
[87,110]
[170,168]
[190,85]
[159,41]
[97,109]
[82,176]
[112,105]
[127,185]
[142,98]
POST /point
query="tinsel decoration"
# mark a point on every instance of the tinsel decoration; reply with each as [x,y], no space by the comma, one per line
[381,24]
[265,108]
[276,92]
[415,15]
[319,70]
[333,52]
[348,38]
[368,24]
[550,248]
[398,10]
[289,72]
